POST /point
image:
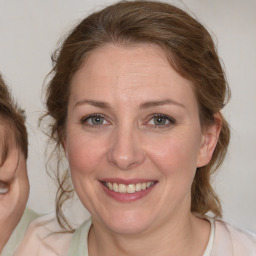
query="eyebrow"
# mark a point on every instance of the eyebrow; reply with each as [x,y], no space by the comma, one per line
[144,105]
[151,104]
[95,103]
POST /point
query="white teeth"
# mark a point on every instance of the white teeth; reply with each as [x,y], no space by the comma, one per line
[138,187]
[115,187]
[4,190]
[109,185]
[131,188]
[122,188]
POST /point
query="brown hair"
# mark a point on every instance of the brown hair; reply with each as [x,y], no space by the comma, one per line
[190,50]
[12,116]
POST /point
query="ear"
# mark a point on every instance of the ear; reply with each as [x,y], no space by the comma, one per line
[63,144]
[61,134]
[209,141]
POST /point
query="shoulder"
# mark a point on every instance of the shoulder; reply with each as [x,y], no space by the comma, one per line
[77,245]
[19,232]
[44,237]
[233,240]
[28,216]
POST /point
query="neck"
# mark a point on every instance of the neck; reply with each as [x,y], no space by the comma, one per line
[187,235]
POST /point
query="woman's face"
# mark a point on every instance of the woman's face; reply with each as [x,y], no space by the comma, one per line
[14,186]
[133,138]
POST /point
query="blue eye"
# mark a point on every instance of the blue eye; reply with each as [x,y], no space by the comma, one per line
[94,120]
[161,120]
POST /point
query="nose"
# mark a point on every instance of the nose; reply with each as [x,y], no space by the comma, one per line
[125,151]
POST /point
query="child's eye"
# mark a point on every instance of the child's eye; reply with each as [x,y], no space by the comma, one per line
[94,120]
[160,121]
[4,188]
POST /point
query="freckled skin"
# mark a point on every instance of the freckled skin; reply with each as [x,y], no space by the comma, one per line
[12,204]
[128,146]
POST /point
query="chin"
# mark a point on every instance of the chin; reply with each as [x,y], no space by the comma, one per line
[128,223]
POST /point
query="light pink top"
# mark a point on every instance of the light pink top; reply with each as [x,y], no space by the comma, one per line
[41,239]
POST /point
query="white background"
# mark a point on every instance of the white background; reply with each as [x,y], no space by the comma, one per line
[29,32]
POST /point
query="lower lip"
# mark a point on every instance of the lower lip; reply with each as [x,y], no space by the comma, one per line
[127,197]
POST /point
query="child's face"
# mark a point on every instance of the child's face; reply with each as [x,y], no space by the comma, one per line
[14,186]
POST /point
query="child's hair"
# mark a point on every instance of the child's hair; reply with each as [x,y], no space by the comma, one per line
[13,117]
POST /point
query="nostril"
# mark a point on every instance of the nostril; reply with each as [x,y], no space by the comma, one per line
[124,150]
[126,162]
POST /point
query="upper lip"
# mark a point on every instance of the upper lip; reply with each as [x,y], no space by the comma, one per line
[126,181]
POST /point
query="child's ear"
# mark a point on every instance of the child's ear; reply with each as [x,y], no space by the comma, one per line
[209,141]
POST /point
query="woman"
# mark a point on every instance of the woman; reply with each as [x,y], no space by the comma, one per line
[135,99]
[14,185]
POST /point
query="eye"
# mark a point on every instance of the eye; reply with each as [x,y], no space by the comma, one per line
[161,121]
[4,188]
[94,120]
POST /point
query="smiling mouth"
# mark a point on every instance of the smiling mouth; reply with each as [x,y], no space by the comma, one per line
[130,188]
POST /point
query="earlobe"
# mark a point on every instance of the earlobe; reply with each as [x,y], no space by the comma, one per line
[63,141]
[210,138]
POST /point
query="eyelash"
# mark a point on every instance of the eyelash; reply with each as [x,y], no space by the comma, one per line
[171,120]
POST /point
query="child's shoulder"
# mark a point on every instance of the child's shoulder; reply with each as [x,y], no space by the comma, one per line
[44,237]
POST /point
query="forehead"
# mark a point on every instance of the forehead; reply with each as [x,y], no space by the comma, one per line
[129,71]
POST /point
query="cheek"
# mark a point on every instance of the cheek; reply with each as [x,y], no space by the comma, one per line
[21,192]
[175,160]
[12,205]
[21,189]
[175,154]
[84,153]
